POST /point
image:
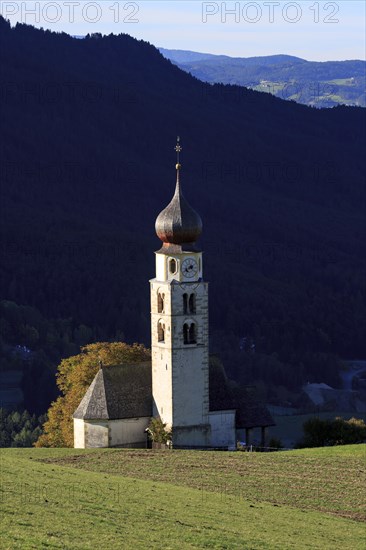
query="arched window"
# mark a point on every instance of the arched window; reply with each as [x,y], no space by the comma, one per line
[161,297]
[185,303]
[172,266]
[161,331]
[186,333]
[189,333]
[192,334]
[192,303]
[189,303]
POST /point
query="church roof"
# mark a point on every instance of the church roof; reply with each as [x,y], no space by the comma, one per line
[125,391]
[122,391]
[250,412]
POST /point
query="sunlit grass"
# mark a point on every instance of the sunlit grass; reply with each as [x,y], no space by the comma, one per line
[118,498]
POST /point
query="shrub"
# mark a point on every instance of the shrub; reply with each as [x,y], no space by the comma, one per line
[275,443]
[158,432]
[318,433]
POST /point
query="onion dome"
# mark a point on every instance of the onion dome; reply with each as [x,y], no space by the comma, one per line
[178,223]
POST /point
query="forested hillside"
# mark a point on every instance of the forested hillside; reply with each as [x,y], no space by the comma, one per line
[88,129]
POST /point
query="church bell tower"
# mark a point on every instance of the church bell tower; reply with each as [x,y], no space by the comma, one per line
[179,324]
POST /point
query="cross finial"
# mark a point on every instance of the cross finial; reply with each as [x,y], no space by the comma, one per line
[178,149]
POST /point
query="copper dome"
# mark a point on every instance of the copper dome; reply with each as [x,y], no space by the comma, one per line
[178,223]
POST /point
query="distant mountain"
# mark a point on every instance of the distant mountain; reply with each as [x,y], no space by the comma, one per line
[186,56]
[319,84]
[88,130]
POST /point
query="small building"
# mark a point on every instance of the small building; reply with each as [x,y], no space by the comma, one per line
[116,408]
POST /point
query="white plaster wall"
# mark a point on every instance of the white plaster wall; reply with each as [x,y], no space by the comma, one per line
[128,431]
[96,434]
[162,270]
[162,383]
[223,433]
[161,354]
[79,433]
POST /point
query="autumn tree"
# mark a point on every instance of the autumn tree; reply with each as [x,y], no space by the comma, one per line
[74,376]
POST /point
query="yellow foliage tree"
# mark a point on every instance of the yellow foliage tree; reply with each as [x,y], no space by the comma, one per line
[74,376]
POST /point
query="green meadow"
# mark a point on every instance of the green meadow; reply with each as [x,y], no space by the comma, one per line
[123,498]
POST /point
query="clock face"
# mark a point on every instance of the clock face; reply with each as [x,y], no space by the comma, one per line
[189,268]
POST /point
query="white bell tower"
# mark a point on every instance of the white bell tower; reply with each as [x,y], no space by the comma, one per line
[179,325]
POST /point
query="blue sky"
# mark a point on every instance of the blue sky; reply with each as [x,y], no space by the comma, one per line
[313,30]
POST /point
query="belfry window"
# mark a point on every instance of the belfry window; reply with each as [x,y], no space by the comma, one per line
[161,298]
[189,333]
[186,333]
[172,266]
[192,303]
[185,303]
[189,303]
[192,334]
[161,331]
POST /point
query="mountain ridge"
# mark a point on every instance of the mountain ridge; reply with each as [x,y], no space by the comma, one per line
[190,55]
[314,83]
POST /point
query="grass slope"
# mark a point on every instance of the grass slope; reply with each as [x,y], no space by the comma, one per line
[62,498]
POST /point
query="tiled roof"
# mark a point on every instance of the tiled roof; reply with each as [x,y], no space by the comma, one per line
[250,412]
[122,391]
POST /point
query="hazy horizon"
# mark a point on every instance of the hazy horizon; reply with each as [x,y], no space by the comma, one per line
[319,31]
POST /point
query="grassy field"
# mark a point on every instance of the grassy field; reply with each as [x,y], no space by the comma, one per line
[311,91]
[119,498]
[342,81]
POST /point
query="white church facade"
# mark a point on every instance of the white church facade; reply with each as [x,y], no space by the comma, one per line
[179,386]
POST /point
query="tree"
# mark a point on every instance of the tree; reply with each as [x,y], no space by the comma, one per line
[19,429]
[73,378]
[158,432]
[318,432]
